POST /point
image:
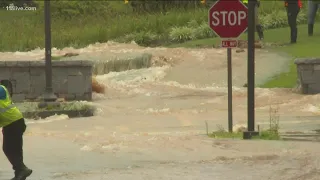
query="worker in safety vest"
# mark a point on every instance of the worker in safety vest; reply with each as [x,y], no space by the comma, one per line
[259,27]
[313,6]
[13,127]
[293,8]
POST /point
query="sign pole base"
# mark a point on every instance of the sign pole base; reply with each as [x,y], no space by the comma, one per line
[250,134]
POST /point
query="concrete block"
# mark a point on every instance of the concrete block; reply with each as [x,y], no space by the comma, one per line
[22,80]
[37,63]
[313,88]
[60,80]
[307,77]
[11,63]
[38,85]
[75,71]
[23,64]
[67,97]
[87,83]
[37,71]
[19,69]
[60,72]
[67,63]
[316,67]
[316,76]
[306,67]
[18,97]
[14,83]
[83,97]
[71,79]
[5,73]
[75,84]
[31,96]
[304,88]
[60,84]
[309,60]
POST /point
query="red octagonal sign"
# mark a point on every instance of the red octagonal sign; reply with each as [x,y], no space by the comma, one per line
[228,18]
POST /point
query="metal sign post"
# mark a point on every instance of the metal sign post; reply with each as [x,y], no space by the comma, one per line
[228,19]
[48,95]
[251,72]
[230,116]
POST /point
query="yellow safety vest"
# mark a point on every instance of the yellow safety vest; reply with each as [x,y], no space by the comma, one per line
[9,113]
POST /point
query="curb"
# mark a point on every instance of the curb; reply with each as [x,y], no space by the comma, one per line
[307,136]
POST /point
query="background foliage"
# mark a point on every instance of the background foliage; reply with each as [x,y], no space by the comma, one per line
[147,22]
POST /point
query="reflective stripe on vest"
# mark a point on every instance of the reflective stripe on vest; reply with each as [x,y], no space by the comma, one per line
[2,110]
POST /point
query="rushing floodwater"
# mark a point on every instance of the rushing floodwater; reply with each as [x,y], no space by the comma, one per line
[149,122]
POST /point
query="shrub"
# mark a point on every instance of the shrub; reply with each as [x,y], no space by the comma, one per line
[279,19]
[181,34]
[193,24]
[195,31]
[203,31]
[146,38]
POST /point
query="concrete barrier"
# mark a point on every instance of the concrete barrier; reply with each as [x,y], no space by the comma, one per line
[71,79]
[308,70]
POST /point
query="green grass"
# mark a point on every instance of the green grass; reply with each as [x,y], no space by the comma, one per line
[306,47]
[80,23]
[268,135]
[224,134]
[263,135]
[25,30]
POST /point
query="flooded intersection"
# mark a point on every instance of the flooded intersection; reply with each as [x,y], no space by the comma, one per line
[150,124]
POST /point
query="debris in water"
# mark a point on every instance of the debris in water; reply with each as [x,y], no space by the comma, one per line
[86,148]
[240,50]
[97,87]
[70,54]
[111,147]
[239,128]
[311,108]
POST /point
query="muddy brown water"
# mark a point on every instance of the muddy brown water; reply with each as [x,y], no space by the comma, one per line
[150,123]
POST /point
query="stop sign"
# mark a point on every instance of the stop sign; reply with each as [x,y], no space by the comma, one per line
[228,18]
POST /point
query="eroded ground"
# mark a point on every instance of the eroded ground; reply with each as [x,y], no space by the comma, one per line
[151,123]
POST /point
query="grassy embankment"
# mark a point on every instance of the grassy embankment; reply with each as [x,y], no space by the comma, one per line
[79,23]
[306,47]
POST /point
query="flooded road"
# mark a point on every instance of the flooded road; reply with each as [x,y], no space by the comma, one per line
[150,123]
